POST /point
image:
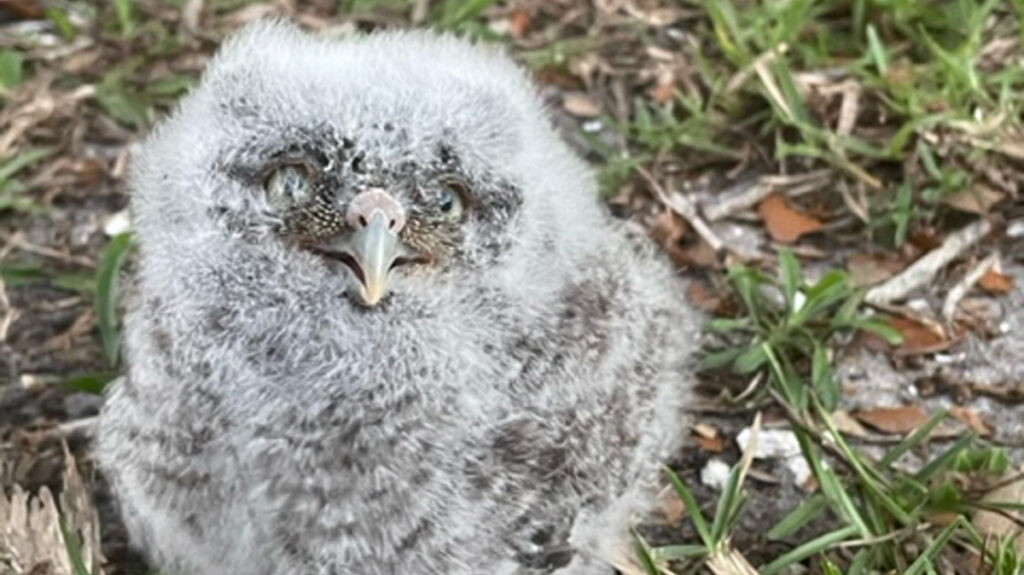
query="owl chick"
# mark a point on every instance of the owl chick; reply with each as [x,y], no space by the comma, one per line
[383,325]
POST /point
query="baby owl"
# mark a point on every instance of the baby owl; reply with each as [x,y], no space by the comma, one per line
[382,324]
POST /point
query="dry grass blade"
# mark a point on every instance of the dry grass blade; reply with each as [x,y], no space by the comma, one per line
[31,536]
[728,561]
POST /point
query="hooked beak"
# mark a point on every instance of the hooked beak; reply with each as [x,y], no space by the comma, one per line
[375,249]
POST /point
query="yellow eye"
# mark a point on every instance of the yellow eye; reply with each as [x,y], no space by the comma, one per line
[450,201]
[289,186]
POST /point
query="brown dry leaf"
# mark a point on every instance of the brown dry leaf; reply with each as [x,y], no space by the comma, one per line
[784,224]
[866,270]
[978,200]
[918,338]
[996,283]
[703,297]
[670,509]
[708,438]
[668,227]
[995,524]
[971,419]
[671,232]
[898,420]
[581,105]
[519,23]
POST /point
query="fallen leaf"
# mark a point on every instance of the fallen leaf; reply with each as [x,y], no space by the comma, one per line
[668,227]
[971,418]
[703,297]
[996,283]
[784,224]
[581,105]
[866,270]
[978,200]
[519,22]
[671,231]
[918,338]
[897,420]
[669,507]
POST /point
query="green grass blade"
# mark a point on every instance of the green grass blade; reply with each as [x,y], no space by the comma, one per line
[11,69]
[946,458]
[912,440]
[676,552]
[74,550]
[877,51]
[791,277]
[924,562]
[111,261]
[690,503]
[808,510]
[809,549]
[21,161]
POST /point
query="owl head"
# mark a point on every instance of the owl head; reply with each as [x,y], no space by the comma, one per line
[360,174]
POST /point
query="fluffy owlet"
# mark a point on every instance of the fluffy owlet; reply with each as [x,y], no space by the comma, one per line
[383,325]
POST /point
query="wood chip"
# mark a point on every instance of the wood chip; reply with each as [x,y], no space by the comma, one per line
[784,224]
[581,105]
[708,438]
[896,420]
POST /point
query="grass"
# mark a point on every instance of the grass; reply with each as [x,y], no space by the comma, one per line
[886,519]
[916,70]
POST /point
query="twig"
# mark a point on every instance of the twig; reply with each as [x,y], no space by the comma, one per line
[84,427]
[9,313]
[924,269]
[18,241]
[731,202]
[749,193]
[683,206]
[741,77]
[964,285]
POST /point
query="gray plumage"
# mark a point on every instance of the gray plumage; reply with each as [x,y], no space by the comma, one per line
[498,400]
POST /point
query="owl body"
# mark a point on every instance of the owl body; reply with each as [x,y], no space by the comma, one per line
[504,408]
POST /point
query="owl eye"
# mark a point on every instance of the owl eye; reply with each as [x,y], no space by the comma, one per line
[289,186]
[450,202]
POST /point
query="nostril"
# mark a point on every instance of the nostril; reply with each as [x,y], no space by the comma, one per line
[362,221]
[392,224]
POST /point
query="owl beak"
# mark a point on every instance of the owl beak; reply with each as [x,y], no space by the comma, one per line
[375,248]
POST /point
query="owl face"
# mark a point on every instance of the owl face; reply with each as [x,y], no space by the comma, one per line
[364,217]
[316,176]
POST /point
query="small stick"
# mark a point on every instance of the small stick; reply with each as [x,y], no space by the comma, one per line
[684,206]
[963,286]
[737,202]
[924,269]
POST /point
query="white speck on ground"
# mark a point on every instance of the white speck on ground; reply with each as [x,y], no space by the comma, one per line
[715,474]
